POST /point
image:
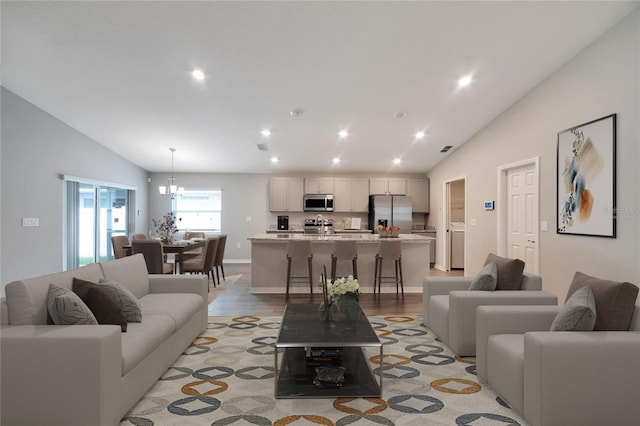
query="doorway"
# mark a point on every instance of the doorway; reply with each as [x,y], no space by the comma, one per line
[94,212]
[518,212]
[454,225]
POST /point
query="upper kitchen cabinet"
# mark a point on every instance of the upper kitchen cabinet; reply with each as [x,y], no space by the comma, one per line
[286,194]
[418,189]
[351,195]
[324,185]
[387,186]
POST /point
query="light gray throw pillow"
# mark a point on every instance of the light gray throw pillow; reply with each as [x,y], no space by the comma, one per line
[66,308]
[578,313]
[487,279]
[124,298]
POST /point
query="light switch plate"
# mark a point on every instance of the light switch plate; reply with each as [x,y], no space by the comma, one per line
[30,221]
[544,226]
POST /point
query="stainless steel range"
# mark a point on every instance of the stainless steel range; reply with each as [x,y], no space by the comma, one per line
[312,226]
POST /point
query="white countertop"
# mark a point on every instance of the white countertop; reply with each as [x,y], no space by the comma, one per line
[366,238]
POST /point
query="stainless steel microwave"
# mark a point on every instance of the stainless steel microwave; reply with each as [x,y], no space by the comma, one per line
[318,202]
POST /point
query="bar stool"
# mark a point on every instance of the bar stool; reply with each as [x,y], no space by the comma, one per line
[299,249]
[391,250]
[344,250]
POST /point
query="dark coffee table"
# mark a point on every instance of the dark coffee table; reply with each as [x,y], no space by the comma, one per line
[302,329]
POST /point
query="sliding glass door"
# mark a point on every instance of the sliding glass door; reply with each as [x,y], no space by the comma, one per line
[94,213]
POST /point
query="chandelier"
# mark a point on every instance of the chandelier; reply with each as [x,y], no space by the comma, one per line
[173,189]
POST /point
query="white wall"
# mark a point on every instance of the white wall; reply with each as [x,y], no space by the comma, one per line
[36,149]
[601,80]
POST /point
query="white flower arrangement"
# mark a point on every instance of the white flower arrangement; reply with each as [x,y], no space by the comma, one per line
[342,286]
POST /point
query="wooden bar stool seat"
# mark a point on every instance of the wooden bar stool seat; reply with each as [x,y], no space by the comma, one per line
[299,250]
[390,250]
[346,250]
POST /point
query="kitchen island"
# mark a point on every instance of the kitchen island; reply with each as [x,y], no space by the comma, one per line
[269,262]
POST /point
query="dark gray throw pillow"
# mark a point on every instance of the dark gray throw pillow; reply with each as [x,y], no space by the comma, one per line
[102,306]
[578,313]
[509,272]
[487,279]
[615,301]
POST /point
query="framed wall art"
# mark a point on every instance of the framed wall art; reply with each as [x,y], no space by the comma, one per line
[586,179]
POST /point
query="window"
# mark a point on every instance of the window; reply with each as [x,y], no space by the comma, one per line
[199,210]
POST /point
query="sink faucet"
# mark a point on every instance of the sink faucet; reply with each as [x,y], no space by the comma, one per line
[321,219]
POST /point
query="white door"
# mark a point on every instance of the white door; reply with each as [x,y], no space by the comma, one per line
[522,216]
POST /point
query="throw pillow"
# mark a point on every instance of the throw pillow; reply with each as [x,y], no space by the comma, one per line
[615,301]
[487,279]
[124,298]
[66,308]
[102,306]
[509,272]
[578,313]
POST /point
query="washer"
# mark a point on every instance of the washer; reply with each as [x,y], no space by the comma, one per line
[457,245]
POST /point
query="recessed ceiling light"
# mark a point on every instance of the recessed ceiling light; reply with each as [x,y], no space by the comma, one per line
[198,74]
[265,132]
[400,114]
[420,135]
[336,160]
[297,112]
[274,160]
[397,161]
[343,134]
[464,81]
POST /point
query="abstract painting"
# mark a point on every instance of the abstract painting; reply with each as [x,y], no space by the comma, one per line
[586,179]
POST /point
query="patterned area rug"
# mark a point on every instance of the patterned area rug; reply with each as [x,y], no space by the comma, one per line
[227,377]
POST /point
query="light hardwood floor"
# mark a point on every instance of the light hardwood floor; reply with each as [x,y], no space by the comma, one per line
[237,299]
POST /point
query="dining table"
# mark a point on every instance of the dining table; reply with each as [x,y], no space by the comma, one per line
[180,249]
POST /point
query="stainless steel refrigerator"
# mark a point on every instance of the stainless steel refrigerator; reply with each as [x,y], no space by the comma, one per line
[389,210]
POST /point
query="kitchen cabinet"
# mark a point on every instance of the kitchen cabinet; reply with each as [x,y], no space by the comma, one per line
[418,189]
[387,186]
[322,185]
[286,194]
[351,195]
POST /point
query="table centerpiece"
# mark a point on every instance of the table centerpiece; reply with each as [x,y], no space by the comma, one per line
[340,299]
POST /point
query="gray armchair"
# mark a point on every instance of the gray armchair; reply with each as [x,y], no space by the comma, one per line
[559,377]
[449,307]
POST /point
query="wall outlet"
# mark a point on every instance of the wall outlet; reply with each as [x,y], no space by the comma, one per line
[249,218]
[238,245]
[30,221]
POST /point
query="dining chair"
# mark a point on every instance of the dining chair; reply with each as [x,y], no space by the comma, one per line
[217,263]
[189,235]
[204,263]
[138,237]
[153,256]
[118,242]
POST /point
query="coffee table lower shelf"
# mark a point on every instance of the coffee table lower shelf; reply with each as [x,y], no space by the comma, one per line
[294,377]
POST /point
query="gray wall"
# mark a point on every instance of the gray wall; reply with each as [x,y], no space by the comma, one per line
[36,149]
[601,80]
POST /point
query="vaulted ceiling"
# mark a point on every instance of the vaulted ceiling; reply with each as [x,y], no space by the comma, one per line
[120,72]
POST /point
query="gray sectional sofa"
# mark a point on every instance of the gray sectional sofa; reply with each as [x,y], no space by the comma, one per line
[91,375]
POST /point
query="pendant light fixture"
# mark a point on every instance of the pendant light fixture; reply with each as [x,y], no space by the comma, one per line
[172,190]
